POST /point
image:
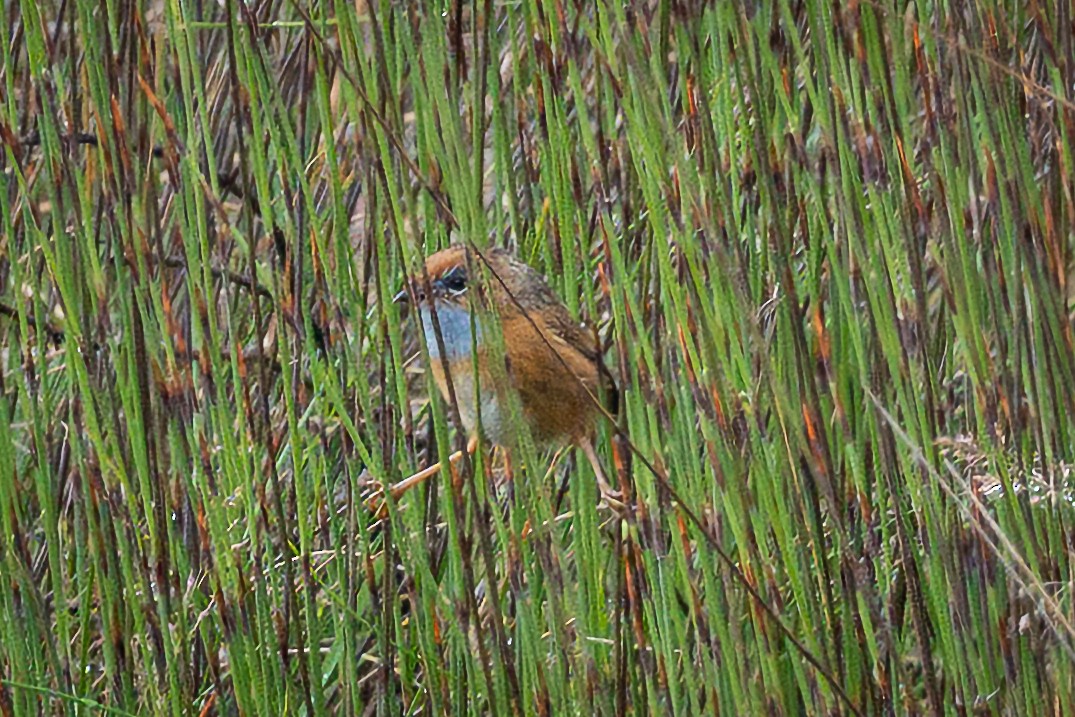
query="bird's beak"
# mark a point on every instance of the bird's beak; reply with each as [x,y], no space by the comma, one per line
[415,284]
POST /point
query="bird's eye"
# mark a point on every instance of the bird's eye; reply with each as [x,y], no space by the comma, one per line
[455,282]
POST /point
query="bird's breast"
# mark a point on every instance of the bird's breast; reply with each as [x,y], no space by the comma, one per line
[461,342]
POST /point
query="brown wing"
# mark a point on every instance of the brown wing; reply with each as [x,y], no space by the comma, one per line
[561,324]
[530,289]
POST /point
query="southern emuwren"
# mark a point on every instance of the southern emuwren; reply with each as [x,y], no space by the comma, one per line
[551,361]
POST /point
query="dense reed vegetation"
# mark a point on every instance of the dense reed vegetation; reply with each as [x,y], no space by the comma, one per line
[828,245]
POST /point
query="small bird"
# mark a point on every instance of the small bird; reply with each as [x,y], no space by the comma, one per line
[552,362]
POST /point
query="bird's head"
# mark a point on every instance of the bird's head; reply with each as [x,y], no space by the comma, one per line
[456,273]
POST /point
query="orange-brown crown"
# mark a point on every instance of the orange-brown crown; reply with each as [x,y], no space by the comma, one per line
[445,260]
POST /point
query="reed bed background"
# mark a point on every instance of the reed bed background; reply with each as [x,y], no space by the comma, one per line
[829,246]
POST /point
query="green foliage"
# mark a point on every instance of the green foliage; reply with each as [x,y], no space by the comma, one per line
[829,247]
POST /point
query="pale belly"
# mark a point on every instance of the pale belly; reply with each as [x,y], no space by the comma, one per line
[460,343]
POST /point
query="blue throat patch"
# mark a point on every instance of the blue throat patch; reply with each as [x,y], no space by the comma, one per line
[454,329]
